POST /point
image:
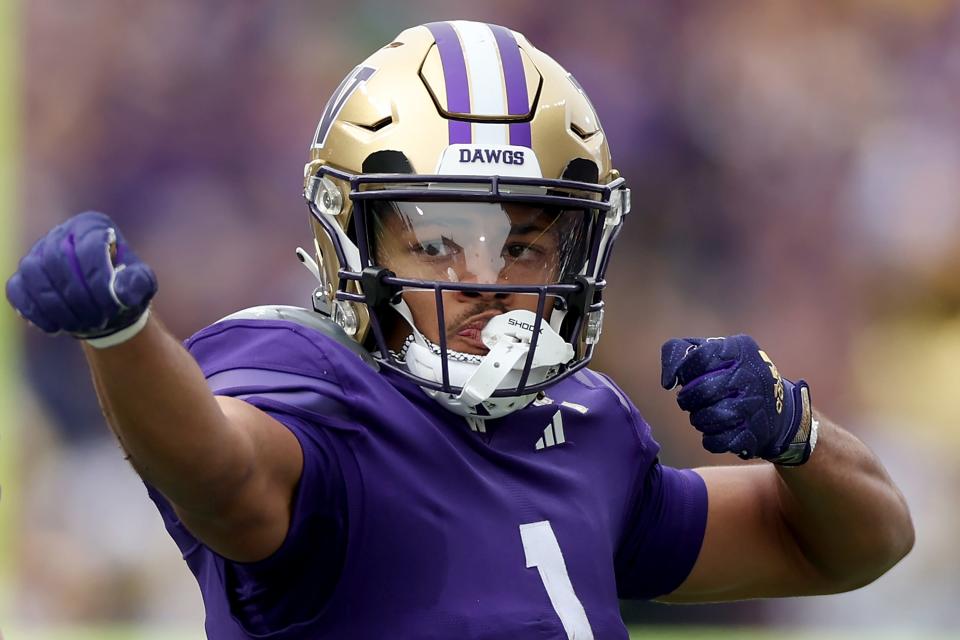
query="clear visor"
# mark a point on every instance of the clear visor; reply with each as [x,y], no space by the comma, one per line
[479,242]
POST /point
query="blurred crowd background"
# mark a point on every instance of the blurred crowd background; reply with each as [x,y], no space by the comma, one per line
[794,167]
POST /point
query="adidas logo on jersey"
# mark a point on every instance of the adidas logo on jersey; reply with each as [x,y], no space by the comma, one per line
[476,424]
[553,434]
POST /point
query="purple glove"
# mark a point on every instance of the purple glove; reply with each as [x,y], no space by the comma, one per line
[83,278]
[737,399]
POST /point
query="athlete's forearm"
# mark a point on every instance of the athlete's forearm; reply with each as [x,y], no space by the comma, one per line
[847,516]
[157,402]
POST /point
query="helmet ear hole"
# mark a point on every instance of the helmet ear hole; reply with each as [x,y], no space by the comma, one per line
[387,161]
[384,161]
[582,170]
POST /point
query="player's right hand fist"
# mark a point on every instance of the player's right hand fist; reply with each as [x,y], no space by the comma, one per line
[82,278]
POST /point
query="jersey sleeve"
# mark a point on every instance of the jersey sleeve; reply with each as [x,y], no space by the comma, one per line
[254,364]
[665,523]
[664,533]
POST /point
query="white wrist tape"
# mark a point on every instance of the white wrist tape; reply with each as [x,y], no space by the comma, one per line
[121,336]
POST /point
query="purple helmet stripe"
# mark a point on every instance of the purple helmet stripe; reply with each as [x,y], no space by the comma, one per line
[520,134]
[454,77]
[516,83]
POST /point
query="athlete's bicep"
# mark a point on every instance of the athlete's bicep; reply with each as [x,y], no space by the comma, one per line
[748,551]
[253,522]
[288,534]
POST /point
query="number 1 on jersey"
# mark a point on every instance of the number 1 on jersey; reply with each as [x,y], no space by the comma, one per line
[543,552]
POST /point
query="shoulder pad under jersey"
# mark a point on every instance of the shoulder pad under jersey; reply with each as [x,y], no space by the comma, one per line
[305,318]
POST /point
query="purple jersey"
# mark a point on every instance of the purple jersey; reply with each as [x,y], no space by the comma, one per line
[408,522]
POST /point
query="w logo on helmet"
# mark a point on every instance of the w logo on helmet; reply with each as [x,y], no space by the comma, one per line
[339,98]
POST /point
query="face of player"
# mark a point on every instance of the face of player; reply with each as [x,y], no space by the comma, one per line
[484,243]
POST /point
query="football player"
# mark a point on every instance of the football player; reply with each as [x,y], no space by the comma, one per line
[424,453]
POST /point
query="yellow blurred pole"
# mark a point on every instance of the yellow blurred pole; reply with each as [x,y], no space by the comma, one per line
[10,95]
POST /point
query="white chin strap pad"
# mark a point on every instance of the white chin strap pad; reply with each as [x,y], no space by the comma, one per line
[508,336]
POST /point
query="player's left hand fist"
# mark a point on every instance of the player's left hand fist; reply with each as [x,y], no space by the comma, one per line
[738,400]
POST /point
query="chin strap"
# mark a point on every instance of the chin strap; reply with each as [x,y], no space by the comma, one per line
[403,309]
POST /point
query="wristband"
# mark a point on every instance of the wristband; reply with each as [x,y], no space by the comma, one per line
[121,336]
[804,441]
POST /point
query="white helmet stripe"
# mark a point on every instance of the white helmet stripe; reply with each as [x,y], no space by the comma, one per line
[488,94]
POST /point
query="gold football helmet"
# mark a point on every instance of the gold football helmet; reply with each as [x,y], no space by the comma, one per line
[462,169]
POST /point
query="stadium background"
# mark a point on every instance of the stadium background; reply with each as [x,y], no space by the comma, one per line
[795,176]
